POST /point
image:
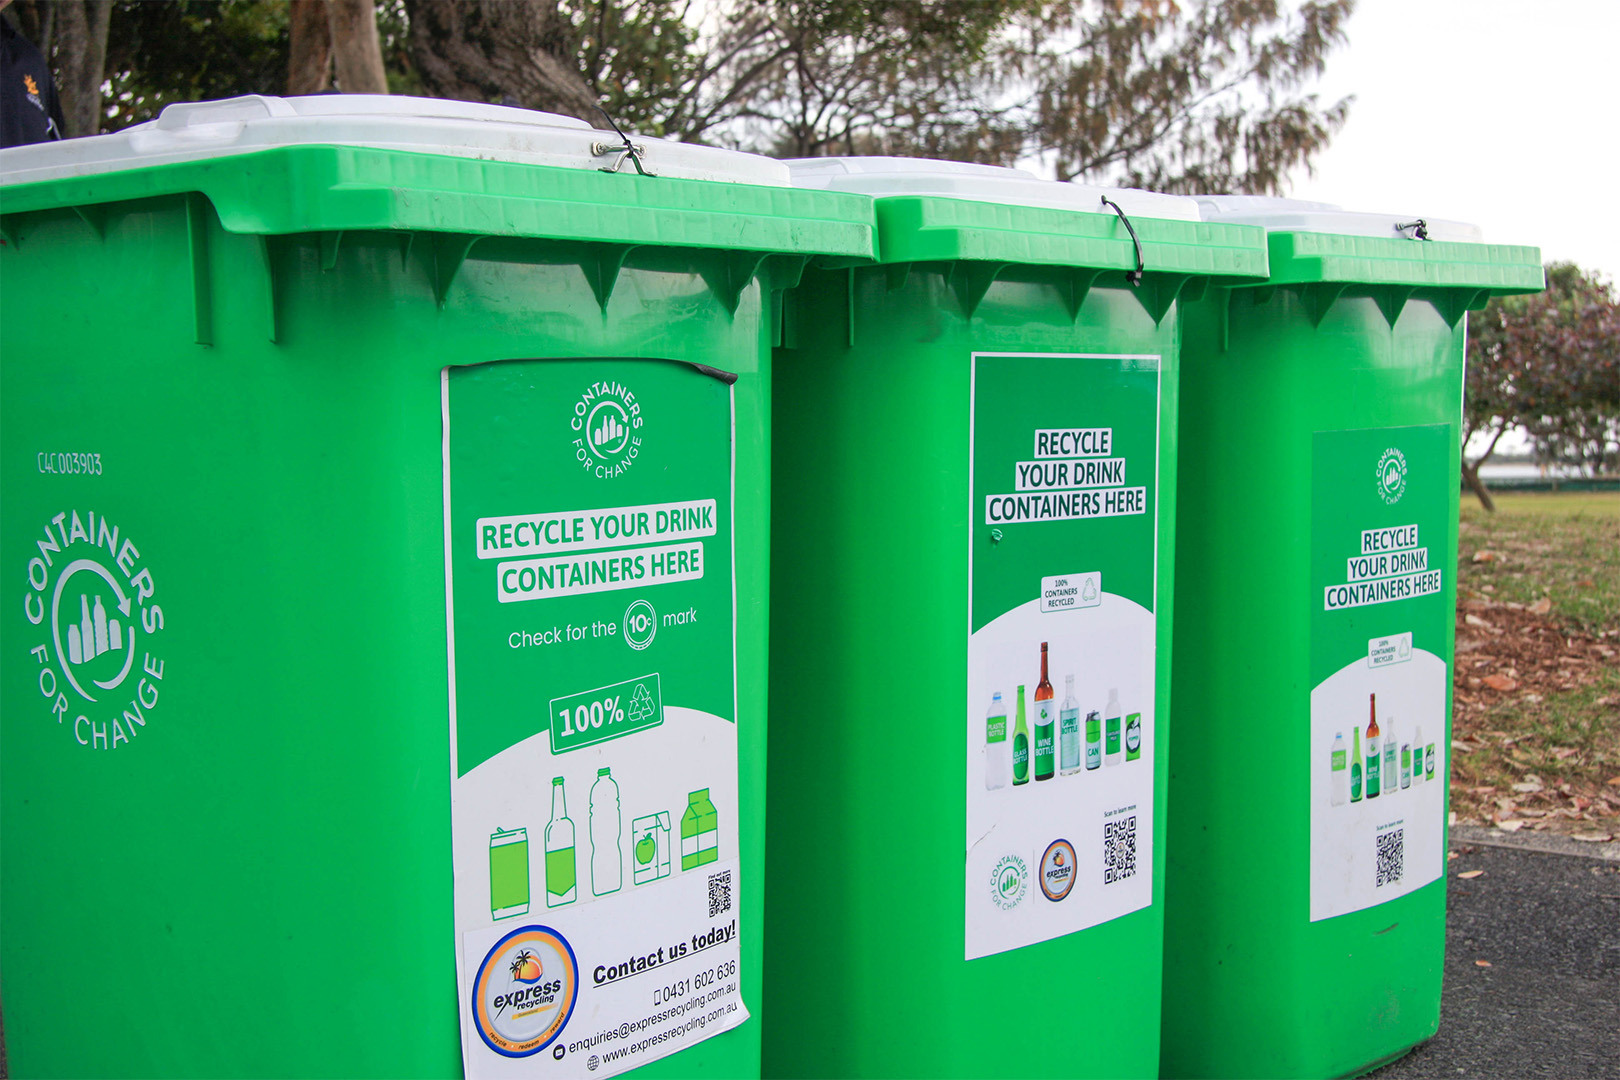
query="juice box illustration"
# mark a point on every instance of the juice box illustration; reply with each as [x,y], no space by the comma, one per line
[649,847]
[508,873]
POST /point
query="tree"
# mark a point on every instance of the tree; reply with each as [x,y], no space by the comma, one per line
[1549,363]
[334,37]
[72,36]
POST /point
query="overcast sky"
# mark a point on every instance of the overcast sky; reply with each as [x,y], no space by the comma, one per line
[1503,113]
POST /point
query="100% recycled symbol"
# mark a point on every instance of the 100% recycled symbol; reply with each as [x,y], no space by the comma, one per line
[591,715]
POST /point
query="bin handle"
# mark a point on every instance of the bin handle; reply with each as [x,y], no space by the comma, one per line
[1132,276]
[1420,228]
[626,149]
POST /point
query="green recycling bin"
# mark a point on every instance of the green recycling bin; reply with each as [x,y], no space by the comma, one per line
[1315,599]
[974,508]
[386,502]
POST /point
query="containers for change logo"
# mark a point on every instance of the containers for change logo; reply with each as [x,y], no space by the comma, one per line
[607,423]
[92,604]
[1009,882]
[1392,476]
[1057,870]
[525,991]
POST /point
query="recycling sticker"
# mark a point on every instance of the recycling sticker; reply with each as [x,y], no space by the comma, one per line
[92,602]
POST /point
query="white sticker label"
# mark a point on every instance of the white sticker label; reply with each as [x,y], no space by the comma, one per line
[1069,592]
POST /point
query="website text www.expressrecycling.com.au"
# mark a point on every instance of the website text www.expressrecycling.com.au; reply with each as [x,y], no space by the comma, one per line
[633,1027]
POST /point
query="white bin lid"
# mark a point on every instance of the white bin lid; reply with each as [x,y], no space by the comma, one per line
[897,176]
[1297,215]
[190,131]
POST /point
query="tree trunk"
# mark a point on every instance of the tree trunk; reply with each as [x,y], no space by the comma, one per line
[81,55]
[356,49]
[309,48]
[491,50]
[1470,474]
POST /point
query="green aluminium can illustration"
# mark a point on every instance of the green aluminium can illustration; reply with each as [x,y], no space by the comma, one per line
[368,463]
[1030,501]
[1337,384]
[508,873]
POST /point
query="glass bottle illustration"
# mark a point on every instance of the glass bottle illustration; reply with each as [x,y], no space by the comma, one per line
[1355,763]
[997,754]
[1133,736]
[1112,754]
[700,831]
[1417,754]
[1428,763]
[1045,725]
[1373,756]
[1093,739]
[561,879]
[1339,771]
[508,873]
[1069,730]
[1020,745]
[607,858]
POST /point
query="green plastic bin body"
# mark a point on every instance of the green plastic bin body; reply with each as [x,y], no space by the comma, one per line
[1305,917]
[227,376]
[906,393]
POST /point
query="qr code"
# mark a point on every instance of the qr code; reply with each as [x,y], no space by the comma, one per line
[1391,856]
[719,893]
[1119,849]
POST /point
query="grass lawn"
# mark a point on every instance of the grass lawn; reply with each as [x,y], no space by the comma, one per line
[1536,725]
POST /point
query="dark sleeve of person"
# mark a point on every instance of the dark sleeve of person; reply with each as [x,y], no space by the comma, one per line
[29,109]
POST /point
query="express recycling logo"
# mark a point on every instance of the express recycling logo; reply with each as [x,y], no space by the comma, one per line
[525,991]
[92,602]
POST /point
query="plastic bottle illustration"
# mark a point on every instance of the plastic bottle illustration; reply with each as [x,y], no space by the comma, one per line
[1355,763]
[700,831]
[997,754]
[1373,756]
[1417,754]
[1406,765]
[1112,753]
[561,878]
[607,857]
[508,873]
[1069,730]
[1093,739]
[1133,736]
[1428,763]
[1339,777]
[1020,745]
[1391,775]
[1045,725]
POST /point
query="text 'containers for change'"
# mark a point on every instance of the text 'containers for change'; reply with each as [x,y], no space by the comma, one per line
[974,498]
[1315,596]
[283,381]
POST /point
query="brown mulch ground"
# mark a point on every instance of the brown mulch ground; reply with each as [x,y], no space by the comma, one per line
[1512,654]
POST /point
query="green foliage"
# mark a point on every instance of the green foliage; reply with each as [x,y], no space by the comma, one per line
[1551,364]
[191,50]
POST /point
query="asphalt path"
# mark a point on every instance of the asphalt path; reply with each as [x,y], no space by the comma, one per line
[1548,1005]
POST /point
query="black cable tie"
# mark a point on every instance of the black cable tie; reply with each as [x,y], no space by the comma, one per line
[1132,276]
[626,149]
[1420,226]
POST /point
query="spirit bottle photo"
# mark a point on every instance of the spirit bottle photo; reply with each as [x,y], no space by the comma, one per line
[1020,745]
[560,874]
[1390,777]
[1372,746]
[997,754]
[1045,725]
[1069,730]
